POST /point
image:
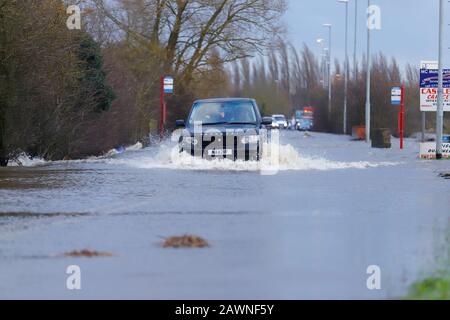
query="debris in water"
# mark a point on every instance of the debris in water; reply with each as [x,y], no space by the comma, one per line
[445,175]
[186,241]
[87,254]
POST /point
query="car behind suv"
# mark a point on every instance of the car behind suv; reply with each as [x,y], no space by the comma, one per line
[281,120]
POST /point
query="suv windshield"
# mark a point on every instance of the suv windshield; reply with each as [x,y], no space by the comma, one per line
[280,118]
[235,112]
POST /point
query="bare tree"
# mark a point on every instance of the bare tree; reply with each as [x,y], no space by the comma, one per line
[285,67]
[184,32]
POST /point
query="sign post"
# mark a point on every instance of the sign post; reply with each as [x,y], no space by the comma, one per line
[434,97]
[440,91]
[398,99]
[166,88]
[161,110]
[402,118]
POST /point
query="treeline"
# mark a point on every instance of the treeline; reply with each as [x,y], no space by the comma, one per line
[52,86]
[67,94]
[72,93]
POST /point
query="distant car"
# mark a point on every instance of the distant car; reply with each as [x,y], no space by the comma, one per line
[230,129]
[304,124]
[274,125]
[304,119]
[281,120]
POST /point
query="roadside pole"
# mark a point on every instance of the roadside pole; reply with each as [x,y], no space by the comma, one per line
[330,81]
[161,110]
[424,124]
[398,99]
[440,105]
[166,87]
[368,83]
[329,26]
[402,118]
[346,67]
[355,63]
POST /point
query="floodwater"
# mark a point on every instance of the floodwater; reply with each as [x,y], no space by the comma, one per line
[308,230]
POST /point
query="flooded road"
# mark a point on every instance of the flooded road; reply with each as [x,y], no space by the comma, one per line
[309,231]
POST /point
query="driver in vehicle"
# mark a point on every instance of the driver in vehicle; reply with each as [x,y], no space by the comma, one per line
[216,114]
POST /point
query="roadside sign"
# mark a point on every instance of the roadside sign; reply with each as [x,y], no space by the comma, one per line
[396,96]
[166,87]
[428,99]
[168,84]
[429,75]
[429,65]
[429,78]
[428,150]
[398,99]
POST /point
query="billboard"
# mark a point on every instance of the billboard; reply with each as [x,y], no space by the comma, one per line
[429,87]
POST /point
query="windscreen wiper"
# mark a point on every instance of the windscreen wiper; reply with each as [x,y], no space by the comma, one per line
[251,123]
[214,123]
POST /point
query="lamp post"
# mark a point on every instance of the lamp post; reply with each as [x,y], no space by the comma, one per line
[327,78]
[345,67]
[440,106]
[329,26]
[368,65]
[323,62]
[355,40]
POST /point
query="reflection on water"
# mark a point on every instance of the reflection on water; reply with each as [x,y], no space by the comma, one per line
[34,177]
[38,215]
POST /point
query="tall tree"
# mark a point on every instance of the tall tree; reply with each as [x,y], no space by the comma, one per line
[184,32]
[51,80]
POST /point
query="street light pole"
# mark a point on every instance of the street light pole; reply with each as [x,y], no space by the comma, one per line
[323,62]
[346,67]
[325,57]
[440,106]
[368,65]
[329,26]
[355,63]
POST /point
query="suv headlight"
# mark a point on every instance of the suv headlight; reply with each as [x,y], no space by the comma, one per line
[250,139]
[190,140]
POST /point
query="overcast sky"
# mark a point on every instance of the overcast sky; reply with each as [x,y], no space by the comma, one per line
[409,27]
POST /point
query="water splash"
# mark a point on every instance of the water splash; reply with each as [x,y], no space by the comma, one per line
[168,157]
[24,160]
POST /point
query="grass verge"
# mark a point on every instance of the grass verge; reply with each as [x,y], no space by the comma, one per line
[433,288]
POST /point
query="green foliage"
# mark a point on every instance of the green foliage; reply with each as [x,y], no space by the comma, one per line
[52,83]
[92,80]
[433,288]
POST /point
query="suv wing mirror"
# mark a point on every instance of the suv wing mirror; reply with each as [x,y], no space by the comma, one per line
[266,121]
[180,124]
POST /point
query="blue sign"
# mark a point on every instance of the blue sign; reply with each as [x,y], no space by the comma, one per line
[168,84]
[396,96]
[429,78]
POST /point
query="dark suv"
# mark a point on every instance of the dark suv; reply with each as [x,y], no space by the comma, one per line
[224,129]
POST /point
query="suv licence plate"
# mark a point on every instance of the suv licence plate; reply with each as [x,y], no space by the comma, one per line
[220,152]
